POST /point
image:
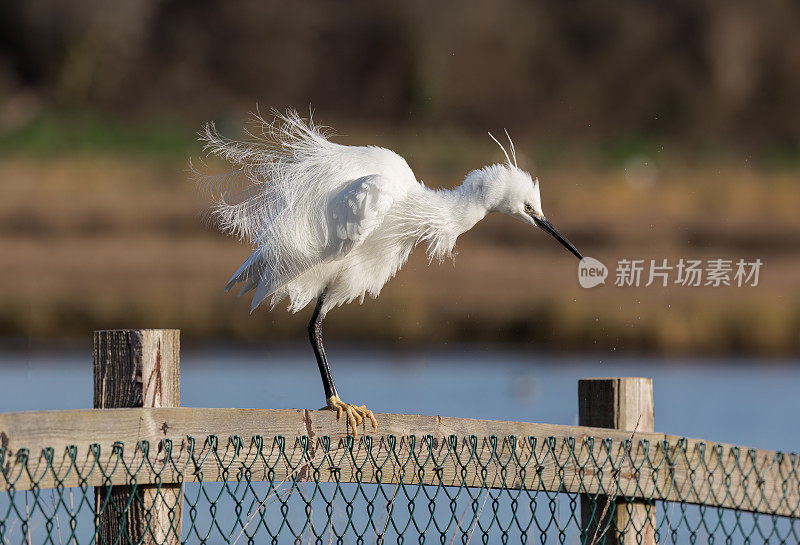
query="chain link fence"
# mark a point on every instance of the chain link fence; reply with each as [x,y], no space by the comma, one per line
[400,489]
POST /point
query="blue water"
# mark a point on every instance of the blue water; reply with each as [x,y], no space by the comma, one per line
[750,403]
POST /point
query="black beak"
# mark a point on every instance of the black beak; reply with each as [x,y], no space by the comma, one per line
[547,226]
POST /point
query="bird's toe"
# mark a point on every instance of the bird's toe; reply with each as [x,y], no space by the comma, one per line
[355,414]
[367,414]
[354,419]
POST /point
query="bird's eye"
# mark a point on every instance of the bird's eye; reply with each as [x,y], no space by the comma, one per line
[528,208]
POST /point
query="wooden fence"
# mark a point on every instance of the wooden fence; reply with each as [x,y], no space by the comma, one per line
[137,387]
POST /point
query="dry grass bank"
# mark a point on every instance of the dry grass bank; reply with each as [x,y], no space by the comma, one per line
[103,242]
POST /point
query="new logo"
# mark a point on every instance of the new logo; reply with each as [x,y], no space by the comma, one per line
[591,272]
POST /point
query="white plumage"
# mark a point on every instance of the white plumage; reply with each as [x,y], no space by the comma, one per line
[336,222]
[319,214]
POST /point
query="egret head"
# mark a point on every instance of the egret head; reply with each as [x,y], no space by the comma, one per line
[518,196]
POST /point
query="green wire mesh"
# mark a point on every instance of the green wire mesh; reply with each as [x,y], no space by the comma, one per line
[391,489]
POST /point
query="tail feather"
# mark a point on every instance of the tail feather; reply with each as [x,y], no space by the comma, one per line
[262,292]
[250,272]
[282,173]
[249,286]
[253,275]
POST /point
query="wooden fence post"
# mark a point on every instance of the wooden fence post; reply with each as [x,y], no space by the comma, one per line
[624,404]
[138,368]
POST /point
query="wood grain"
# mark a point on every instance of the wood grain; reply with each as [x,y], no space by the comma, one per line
[502,454]
[138,368]
[623,403]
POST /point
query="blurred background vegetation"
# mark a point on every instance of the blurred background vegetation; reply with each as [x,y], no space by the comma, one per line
[657,129]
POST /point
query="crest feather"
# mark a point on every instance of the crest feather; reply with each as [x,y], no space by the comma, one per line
[508,159]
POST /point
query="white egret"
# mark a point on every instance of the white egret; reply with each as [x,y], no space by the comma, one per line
[333,223]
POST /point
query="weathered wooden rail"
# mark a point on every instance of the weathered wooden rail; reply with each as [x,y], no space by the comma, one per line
[694,471]
[170,446]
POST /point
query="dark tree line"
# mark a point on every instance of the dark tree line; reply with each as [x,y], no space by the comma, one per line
[687,69]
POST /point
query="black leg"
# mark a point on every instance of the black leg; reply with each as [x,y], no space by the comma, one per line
[315,336]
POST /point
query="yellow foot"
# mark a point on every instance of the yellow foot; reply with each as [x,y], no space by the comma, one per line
[355,414]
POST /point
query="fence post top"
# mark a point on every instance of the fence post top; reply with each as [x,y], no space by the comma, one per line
[166,330]
[586,379]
